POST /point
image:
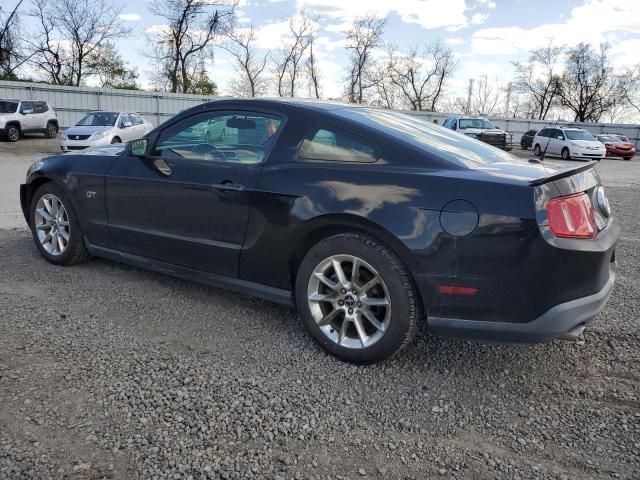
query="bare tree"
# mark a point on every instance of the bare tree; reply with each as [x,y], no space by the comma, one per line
[69,33]
[183,45]
[248,64]
[630,87]
[486,97]
[111,69]
[362,39]
[11,55]
[288,62]
[539,79]
[589,89]
[421,76]
[312,71]
[387,93]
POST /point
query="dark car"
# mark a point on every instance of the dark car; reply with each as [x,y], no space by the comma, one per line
[367,220]
[617,145]
[480,129]
[526,141]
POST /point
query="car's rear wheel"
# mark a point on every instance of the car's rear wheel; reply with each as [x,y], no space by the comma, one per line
[52,130]
[536,151]
[12,133]
[116,140]
[627,158]
[565,154]
[55,227]
[356,298]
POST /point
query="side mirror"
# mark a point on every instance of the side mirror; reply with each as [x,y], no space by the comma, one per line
[560,137]
[139,147]
[454,126]
[126,124]
[27,111]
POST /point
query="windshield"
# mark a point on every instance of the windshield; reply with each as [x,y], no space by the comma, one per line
[440,142]
[8,107]
[609,138]
[475,123]
[579,135]
[98,119]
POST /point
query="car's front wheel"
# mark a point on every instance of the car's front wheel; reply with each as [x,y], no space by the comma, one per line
[12,133]
[55,227]
[536,151]
[356,298]
[565,154]
[116,140]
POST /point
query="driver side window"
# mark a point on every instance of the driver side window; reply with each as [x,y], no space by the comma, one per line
[240,136]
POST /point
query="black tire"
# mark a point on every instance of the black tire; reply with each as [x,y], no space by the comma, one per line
[627,158]
[12,133]
[52,130]
[523,146]
[406,308]
[116,140]
[76,250]
[565,154]
[537,151]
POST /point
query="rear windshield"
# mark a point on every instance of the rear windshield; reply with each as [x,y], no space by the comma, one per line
[579,135]
[8,107]
[475,123]
[441,142]
[98,119]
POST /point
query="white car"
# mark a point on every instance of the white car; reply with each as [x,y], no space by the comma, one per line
[104,128]
[568,142]
[18,117]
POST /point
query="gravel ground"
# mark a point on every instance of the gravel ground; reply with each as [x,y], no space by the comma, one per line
[108,371]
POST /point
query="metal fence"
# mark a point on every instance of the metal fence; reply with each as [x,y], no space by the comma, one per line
[72,102]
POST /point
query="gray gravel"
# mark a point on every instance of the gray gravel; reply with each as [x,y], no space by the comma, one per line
[108,371]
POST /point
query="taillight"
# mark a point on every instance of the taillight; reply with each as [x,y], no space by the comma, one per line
[572,216]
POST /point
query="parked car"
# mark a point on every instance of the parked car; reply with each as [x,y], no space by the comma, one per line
[617,145]
[365,219]
[480,129]
[104,128]
[526,141]
[568,142]
[18,117]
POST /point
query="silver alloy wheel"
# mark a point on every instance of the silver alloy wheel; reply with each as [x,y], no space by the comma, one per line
[53,131]
[52,224]
[13,133]
[349,301]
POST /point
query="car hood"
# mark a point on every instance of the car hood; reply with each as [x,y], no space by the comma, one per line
[86,130]
[106,150]
[619,144]
[587,143]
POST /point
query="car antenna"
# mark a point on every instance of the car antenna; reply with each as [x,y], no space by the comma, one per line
[548,141]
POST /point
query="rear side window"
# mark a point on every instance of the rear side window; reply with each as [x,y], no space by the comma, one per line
[333,144]
[544,132]
[40,107]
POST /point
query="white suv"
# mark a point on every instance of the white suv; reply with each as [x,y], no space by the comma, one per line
[568,142]
[18,117]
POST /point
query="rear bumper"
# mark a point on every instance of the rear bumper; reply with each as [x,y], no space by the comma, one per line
[550,325]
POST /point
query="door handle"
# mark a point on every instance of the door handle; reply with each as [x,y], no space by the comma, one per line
[228,186]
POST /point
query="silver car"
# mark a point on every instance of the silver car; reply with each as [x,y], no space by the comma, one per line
[104,128]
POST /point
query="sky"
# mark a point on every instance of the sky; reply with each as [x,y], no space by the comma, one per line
[485,35]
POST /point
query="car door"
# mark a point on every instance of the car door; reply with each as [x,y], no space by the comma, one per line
[125,132]
[187,203]
[555,145]
[137,130]
[28,121]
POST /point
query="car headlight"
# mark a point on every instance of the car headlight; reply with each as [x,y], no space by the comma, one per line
[474,135]
[99,135]
[63,136]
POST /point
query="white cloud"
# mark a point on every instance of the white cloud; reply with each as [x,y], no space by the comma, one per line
[589,23]
[129,17]
[454,41]
[478,18]
[427,13]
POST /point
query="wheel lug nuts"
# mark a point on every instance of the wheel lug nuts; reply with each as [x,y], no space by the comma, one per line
[354,291]
[340,302]
[359,304]
[343,291]
[350,311]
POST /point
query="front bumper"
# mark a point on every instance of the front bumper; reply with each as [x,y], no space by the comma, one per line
[68,145]
[585,153]
[552,324]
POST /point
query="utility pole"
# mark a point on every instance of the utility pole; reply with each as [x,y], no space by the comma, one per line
[507,103]
[468,111]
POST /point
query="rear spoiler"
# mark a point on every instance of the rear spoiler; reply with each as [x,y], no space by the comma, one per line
[565,173]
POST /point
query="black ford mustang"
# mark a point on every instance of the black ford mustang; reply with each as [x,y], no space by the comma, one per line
[367,220]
